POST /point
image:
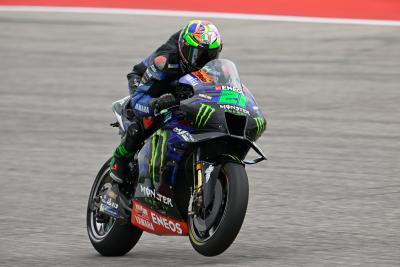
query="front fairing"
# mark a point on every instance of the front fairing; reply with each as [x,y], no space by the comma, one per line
[218,91]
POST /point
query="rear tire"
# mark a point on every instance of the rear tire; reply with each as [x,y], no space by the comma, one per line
[118,239]
[234,210]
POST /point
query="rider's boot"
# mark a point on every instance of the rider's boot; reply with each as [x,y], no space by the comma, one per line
[119,164]
[119,170]
[115,202]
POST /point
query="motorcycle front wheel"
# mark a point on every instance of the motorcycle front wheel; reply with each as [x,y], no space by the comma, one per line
[107,236]
[232,192]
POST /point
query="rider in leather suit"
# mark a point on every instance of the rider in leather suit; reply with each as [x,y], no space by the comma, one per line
[150,84]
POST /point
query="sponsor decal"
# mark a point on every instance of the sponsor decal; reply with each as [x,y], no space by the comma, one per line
[148,192]
[229,88]
[144,223]
[260,124]
[232,98]
[184,134]
[141,211]
[142,217]
[207,97]
[235,109]
[166,223]
[108,210]
[152,221]
[203,115]
[109,201]
[142,108]
[255,108]
[153,68]
[203,76]
[108,206]
[193,81]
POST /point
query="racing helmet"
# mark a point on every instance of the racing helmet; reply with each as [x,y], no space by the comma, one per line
[199,42]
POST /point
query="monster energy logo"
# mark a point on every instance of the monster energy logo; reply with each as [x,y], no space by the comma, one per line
[203,115]
[158,137]
[260,125]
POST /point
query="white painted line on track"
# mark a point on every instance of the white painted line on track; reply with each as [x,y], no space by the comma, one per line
[170,13]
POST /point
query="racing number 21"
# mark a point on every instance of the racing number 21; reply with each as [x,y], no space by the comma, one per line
[233,98]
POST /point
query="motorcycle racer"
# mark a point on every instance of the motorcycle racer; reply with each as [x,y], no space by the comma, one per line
[150,85]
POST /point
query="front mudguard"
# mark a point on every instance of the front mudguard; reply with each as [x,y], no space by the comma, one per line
[209,173]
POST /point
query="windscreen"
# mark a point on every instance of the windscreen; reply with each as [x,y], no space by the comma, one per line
[219,72]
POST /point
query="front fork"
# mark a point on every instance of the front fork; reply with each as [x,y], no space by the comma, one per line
[205,177]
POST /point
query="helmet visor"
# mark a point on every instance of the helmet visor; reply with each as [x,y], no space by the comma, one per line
[198,56]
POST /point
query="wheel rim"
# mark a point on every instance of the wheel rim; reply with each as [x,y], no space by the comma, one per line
[100,230]
[200,237]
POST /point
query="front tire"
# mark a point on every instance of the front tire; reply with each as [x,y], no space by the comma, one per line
[234,181]
[109,238]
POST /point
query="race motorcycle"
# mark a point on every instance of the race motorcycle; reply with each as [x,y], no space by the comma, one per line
[189,177]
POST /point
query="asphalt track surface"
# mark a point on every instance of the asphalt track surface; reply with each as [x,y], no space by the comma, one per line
[328,196]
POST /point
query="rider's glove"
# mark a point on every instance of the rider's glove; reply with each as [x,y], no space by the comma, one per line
[163,102]
[181,91]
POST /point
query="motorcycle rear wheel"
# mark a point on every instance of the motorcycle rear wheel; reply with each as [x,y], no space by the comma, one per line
[235,187]
[109,238]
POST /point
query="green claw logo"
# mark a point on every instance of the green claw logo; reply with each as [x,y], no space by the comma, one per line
[260,124]
[203,115]
[159,138]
